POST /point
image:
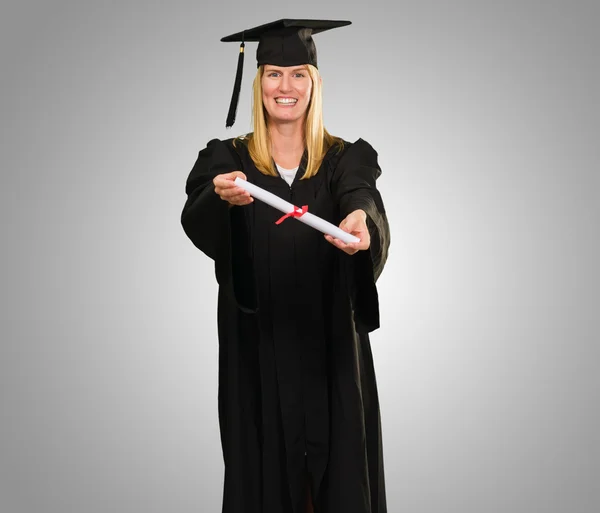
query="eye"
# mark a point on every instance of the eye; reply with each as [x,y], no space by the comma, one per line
[272,73]
[300,75]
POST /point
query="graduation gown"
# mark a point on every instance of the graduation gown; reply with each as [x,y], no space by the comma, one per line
[297,391]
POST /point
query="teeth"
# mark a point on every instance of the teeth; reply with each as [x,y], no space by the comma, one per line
[286,100]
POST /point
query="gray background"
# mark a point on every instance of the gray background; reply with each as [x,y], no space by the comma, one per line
[486,119]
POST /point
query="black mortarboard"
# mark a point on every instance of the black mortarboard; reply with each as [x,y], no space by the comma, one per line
[286,42]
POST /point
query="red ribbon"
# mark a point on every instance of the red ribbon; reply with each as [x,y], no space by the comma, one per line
[294,213]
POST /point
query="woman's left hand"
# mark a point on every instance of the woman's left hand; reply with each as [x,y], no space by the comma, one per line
[356,224]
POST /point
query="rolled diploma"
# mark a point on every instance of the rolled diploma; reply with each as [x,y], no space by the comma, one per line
[286,207]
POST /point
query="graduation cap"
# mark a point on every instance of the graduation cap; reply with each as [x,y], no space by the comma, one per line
[286,42]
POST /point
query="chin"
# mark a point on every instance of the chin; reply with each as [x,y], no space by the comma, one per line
[288,117]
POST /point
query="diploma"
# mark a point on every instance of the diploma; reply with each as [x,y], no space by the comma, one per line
[290,210]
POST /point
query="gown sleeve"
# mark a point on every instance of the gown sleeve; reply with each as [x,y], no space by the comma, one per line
[215,228]
[354,187]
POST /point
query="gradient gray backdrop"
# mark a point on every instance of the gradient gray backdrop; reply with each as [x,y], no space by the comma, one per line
[486,119]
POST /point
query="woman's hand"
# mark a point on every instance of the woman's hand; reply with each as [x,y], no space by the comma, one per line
[229,191]
[356,224]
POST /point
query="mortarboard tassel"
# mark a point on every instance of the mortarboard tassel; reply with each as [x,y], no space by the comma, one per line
[236,88]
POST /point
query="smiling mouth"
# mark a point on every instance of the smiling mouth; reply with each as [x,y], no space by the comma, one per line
[286,101]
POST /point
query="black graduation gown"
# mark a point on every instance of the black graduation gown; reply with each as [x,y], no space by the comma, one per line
[297,389]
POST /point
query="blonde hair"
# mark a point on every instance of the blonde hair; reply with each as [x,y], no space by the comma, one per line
[316,138]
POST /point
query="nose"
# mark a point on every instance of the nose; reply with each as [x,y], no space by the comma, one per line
[285,84]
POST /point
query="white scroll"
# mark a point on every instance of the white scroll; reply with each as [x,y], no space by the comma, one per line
[297,212]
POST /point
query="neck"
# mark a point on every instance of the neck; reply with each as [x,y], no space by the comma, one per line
[286,139]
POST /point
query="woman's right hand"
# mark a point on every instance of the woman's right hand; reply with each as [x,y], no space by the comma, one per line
[228,191]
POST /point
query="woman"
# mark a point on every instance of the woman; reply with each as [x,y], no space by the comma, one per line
[298,405]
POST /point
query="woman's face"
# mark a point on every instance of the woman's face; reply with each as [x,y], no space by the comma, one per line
[286,92]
